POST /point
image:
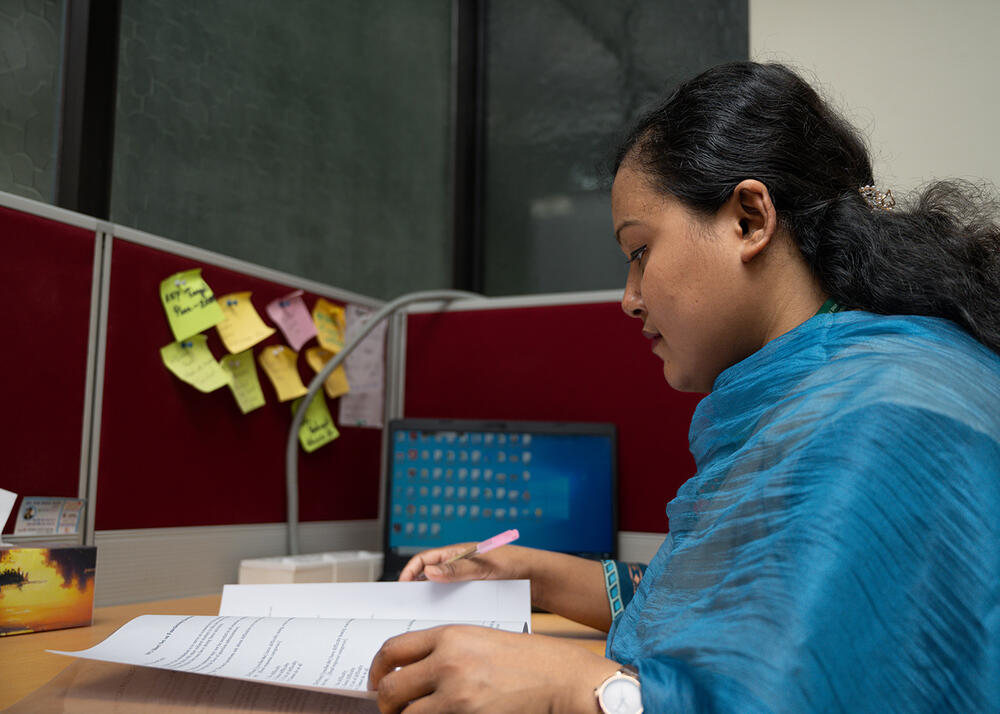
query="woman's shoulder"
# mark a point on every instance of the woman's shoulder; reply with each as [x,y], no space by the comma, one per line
[907,361]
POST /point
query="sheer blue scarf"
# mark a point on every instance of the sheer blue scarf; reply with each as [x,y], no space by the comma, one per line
[838,549]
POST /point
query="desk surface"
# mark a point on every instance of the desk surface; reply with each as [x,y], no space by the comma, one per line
[26,666]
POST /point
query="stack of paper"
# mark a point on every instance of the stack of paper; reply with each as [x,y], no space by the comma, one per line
[316,636]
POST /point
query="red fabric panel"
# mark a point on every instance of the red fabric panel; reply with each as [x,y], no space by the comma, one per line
[45,283]
[172,456]
[584,362]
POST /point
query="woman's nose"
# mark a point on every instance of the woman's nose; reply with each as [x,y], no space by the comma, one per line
[632,304]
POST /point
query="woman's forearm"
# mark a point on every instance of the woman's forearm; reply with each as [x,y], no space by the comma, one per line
[566,585]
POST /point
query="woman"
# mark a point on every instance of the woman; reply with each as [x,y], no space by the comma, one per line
[838,547]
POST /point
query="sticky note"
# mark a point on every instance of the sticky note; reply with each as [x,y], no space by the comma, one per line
[189,303]
[336,384]
[244,384]
[278,362]
[192,362]
[317,428]
[241,326]
[291,316]
[330,325]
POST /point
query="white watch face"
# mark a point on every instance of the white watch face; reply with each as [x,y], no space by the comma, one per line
[621,696]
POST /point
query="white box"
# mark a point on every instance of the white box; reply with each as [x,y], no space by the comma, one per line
[334,567]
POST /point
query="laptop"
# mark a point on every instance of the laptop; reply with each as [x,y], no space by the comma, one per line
[454,481]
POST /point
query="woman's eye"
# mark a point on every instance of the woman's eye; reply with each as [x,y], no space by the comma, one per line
[636,254]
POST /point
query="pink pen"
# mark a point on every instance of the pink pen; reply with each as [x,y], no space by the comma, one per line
[484,547]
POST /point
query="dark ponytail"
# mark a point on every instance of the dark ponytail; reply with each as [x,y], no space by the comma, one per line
[939,255]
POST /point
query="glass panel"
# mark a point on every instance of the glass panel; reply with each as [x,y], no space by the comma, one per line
[30,71]
[564,79]
[312,137]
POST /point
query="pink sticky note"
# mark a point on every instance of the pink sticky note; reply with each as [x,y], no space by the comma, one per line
[292,318]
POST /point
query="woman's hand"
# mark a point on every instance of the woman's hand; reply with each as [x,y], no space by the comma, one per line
[461,668]
[501,564]
[560,583]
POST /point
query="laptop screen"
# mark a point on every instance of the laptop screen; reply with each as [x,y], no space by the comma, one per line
[454,481]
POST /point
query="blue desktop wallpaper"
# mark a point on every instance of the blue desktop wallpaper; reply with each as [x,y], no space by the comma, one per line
[451,487]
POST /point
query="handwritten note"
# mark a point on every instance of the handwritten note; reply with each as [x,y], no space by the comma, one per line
[317,428]
[278,362]
[244,385]
[191,361]
[330,325]
[365,370]
[241,327]
[189,303]
[336,384]
[290,314]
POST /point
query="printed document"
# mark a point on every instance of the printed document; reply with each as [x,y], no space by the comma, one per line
[328,647]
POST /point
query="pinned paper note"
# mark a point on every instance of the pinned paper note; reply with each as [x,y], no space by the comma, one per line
[50,516]
[7,499]
[336,384]
[290,314]
[317,428]
[330,325]
[365,370]
[192,362]
[278,362]
[190,305]
[242,327]
[244,385]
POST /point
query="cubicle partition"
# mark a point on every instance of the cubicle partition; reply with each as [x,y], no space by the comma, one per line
[571,357]
[185,483]
[49,274]
[181,485]
[171,456]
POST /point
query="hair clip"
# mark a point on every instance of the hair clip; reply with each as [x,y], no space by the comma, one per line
[877,199]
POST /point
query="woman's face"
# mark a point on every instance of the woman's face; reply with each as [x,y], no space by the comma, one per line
[686,282]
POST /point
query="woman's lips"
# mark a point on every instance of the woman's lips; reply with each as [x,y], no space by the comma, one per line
[654,337]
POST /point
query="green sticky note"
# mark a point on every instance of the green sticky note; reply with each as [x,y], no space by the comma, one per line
[190,304]
[192,362]
[244,385]
[317,428]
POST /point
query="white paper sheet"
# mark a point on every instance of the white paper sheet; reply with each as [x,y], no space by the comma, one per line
[319,636]
[503,600]
[365,367]
[307,653]
[7,499]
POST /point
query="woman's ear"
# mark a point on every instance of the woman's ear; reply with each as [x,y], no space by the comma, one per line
[758,221]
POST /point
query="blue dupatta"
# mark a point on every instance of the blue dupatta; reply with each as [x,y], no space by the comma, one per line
[838,549]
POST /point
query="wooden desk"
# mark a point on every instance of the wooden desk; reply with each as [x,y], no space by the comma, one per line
[25,665]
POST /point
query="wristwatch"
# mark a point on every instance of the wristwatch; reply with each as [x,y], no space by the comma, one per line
[620,693]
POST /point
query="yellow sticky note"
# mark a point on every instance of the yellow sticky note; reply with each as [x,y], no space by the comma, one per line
[241,326]
[193,363]
[189,303]
[317,428]
[336,384]
[244,385]
[330,325]
[278,362]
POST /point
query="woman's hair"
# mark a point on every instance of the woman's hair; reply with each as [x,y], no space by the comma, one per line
[940,256]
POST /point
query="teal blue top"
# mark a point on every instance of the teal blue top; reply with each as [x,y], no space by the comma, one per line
[838,549]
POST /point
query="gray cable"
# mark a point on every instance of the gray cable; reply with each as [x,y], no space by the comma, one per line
[292,447]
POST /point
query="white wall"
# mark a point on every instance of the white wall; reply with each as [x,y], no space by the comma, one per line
[920,78]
